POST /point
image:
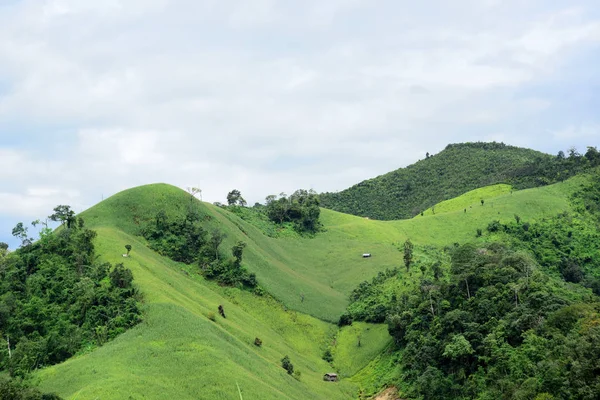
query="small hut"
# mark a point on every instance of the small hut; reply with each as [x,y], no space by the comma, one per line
[330,377]
[366,255]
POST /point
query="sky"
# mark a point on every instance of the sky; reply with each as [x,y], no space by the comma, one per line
[270,96]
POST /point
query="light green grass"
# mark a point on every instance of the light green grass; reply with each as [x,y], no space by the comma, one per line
[348,356]
[469,199]
[327,267]
[179,353]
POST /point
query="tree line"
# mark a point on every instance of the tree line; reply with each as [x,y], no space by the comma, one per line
[512,318]
[56,297]
[185,239]
[459,168]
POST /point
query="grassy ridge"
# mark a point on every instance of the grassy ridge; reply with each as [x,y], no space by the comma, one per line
[326,268]
[457,169]
[177,352]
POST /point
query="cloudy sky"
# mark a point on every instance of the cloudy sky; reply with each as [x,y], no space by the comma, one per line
[272,95]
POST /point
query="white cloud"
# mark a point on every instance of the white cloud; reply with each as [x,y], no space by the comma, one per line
[574,132]
[266,96]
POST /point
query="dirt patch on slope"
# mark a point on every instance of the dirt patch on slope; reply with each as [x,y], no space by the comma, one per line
[390,393]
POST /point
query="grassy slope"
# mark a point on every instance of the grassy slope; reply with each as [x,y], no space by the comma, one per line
[326,268]
[178,353]
[457,169]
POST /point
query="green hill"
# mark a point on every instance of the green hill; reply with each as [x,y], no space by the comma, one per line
[459,168]
[179,352]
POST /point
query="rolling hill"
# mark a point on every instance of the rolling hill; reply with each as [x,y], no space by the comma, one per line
[180,352]
[457,169]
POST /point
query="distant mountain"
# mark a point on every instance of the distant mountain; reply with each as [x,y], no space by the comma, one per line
[459,168]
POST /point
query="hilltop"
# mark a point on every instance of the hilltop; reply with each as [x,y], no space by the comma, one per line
[457,169]
[316,299]
[310,279]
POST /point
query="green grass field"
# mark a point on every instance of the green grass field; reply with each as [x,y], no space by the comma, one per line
[178,352]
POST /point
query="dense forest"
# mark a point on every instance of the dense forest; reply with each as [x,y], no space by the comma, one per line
[186,240]
[56,298]
[281,214]
[513,315]
[459,168]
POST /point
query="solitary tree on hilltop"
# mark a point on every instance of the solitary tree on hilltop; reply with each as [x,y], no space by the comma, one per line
[64,215]
[234,198]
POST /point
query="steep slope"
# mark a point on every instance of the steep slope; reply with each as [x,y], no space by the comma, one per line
[459,168]
[179,352]
[326,268]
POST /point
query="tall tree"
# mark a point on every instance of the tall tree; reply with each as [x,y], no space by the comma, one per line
[64,215]
[234,198]
[408,254]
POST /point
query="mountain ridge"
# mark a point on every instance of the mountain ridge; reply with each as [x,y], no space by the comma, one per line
[459,168]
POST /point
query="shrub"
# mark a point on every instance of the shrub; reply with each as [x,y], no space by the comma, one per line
[211,315]
[345,319]
[327,356]
[259,291]
[287,365]
[257,342]
[479,232]
[494,226]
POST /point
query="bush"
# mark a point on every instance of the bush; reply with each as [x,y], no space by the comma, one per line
[287,365]
[345,319]
[479,232]
[211,315]
[257,342]
[327,356]
[494,226]
[297,375]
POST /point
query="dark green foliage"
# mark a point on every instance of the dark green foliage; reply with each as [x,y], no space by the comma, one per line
[408,254]
[14,389]
[327,356]
[55,297]
[498,328]
[369,302]
[234,198]
[494,226]
[301,209]
[64,215]
[567,244]
[460,168]
[185,240]
[177,238]
[257,342]
[287,365]
[345,319]
[128,248]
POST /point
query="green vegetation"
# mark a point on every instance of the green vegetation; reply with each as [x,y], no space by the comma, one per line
[358,344]
[301,209]
[460,168]
[498,327]
[178,351]
[510,316]
[185,240]
[56,298]
[13,389]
